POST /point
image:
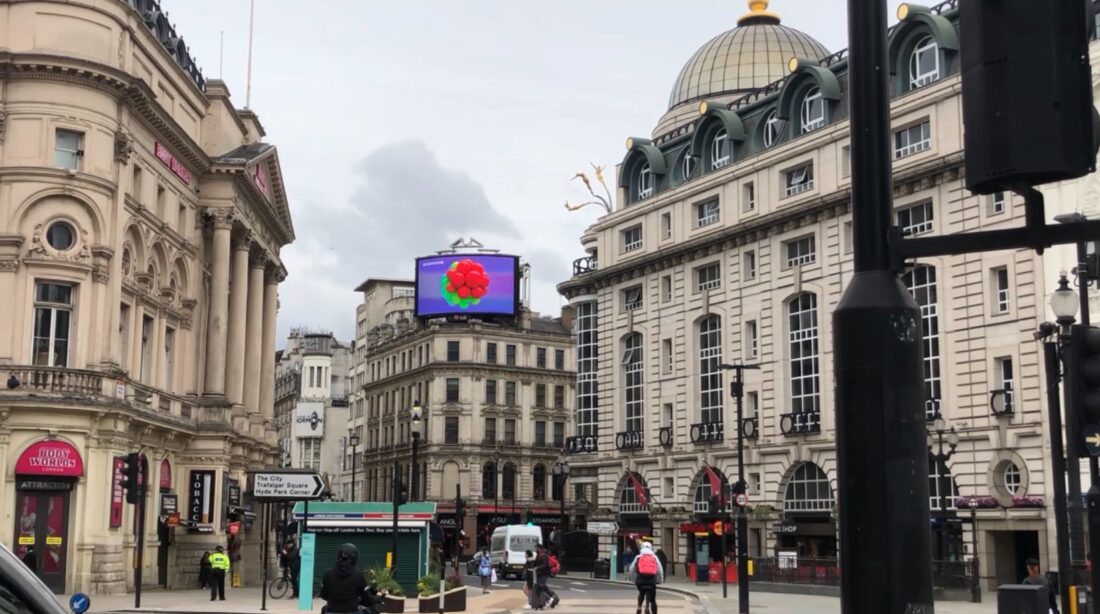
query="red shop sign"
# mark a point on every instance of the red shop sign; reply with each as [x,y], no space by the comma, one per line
[116,492]
[177,167]
[50,457]
[165,474]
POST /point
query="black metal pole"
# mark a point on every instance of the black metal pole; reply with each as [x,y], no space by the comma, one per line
[266,524]
[354,462]
[975,565]
[414,492]
[396,497]
[720,500]
[742,520]
[1073,466]
[1093,504]
[882,453]
[1058,471]
[140,554]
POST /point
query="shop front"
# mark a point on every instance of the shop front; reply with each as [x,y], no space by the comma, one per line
[807,536]
[632,529]
[704,543]
[488,521]
[45,476]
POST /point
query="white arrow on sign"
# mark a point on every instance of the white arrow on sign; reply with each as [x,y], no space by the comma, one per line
[272,485]
[603,528]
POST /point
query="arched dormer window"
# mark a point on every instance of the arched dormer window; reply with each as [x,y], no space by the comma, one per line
[813,110]
[773,129]
[642,169]
[721,151]
[687,165]
[924,63]
[646,183]
[921,47]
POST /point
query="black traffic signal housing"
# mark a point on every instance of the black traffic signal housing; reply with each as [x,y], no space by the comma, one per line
[1083,376]
[402,494]
[131,476]
[460,508]
[739,488]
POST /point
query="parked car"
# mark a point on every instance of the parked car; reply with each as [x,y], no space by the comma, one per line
[21,590]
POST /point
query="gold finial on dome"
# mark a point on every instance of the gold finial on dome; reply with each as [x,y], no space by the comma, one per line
[758,13]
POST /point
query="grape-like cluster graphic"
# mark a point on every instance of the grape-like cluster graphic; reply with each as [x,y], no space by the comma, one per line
[464,284]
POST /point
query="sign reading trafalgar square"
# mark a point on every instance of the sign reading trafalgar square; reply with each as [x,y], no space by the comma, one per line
[278,485]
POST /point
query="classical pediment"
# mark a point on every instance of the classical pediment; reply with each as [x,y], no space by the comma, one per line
[257,165]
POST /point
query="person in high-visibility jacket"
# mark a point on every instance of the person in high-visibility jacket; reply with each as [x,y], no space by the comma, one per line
[219,566]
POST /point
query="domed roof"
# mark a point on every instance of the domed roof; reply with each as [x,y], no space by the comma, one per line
[748,57]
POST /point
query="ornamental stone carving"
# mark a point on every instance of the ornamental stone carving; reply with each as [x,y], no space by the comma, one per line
[124,146]
[220,219]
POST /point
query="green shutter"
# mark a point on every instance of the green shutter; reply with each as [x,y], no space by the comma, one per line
[372,553]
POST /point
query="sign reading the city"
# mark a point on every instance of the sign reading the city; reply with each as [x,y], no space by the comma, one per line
[177,167]
[603,528]
[279,485]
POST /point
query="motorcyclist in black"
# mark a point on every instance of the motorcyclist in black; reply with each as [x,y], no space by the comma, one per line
[344,586]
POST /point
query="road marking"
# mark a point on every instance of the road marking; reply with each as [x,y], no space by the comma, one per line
[578,590]
[575,583]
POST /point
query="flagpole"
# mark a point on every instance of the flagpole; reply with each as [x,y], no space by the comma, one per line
[248,79]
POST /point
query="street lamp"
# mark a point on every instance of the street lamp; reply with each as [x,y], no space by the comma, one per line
[936,439]
[416,412]
[1063,302]
[353,440]
[561,474]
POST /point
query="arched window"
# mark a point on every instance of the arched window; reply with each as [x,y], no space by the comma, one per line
[808,490]
[632,370]
[703,492]
[538,477]
[921,283]
[647,184]
[687,165]
[802,324]
[924,63]
[773,127]
[628,498]
[710,377]
[1012,478]
[813,110]
[720,150]
[508,487]
[489,480]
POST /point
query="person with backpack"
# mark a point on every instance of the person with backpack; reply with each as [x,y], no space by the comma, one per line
[647,571]
[542,573]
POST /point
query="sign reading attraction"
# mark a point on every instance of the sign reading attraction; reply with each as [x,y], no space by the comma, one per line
[177,167]
[50,457]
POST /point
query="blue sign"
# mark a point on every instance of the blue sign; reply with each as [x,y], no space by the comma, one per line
[305,574]
[79,603]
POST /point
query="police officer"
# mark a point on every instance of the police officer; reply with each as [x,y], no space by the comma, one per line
[219,565]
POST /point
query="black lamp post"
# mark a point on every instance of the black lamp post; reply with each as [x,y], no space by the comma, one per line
[737,388]
[561,474]
[353,441]
[416,412]
[936,439]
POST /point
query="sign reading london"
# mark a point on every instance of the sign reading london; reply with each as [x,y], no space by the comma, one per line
[286,486]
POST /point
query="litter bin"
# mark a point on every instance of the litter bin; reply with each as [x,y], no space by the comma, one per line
[601,569]
[1022,599]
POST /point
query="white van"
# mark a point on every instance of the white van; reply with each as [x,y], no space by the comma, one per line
[508,547]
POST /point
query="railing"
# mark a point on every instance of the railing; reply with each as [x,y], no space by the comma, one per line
[707,432]
[585,265]
[799,423]
[582,444]
[633,508]
[56,380]
[816,572]
[629,440]
[665,436]
[749,428]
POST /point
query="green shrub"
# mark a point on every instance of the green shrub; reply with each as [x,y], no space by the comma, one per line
[382,578]
[429,585]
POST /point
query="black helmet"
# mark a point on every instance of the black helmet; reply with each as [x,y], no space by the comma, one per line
[348,553]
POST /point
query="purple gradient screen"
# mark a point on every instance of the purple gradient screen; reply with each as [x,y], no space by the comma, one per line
[498,298]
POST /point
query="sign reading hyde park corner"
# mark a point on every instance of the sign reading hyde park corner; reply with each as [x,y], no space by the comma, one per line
[278,485]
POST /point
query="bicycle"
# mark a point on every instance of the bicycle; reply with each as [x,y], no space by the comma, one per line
[280,586]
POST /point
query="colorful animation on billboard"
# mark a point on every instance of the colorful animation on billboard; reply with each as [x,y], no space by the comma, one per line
[466,284]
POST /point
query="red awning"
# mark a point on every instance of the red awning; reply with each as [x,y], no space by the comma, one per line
[51,457]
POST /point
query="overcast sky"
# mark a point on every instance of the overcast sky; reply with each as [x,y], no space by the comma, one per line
[403,125]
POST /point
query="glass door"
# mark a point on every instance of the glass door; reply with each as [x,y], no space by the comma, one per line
[41,527]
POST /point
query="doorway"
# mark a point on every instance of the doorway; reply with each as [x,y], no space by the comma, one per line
[42,533]
[1011,550]
[164,535]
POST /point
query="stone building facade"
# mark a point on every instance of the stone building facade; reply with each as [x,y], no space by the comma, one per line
[141,219]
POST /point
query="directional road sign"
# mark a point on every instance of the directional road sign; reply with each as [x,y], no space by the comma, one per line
[1092,439]
[603,528]
[275,485]
[79,603]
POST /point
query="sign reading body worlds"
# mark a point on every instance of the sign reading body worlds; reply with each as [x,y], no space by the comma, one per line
[286,486]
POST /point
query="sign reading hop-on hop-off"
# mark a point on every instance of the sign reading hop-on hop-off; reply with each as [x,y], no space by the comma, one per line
[277,485]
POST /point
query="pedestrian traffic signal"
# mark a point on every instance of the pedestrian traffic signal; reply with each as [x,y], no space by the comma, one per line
[1083,374]
[131,476]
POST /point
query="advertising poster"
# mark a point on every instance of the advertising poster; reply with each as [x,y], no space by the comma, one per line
[200,505]
[116,492]
[466,284]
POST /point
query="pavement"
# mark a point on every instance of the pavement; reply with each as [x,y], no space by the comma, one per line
[579,595]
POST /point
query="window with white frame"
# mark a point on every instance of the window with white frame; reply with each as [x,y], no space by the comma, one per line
[632,238]
[706,213]
[799,180]
[666,355]
[687,165]
[924,63]
[941,485]
[813,110]
[1004,380]
[803,340]
[773,128]
[800,251]
[846,161]
[666,225]
[510,394]
[646,182]
[748,197]
[751,341]
[53,311]
[921,283]
[708,277]
[752,404]
[632,298]
[1011,478]
[666,288]
[309,453]
[1001,297]
[632,372]
[997,203]
[911,140]
[808,490]
[721,151]
[915,219]
[710,376]
[588,403]
[68,148]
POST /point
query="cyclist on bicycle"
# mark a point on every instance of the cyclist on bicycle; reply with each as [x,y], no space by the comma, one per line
[648,573]
[343,586]
[293,564]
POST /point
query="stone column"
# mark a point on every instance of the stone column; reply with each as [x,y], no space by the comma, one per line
[254,334]
[9,267]
[238,302]
[267,349]
[222,220]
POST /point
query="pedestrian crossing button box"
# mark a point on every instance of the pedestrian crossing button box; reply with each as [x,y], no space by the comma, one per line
[1022,599]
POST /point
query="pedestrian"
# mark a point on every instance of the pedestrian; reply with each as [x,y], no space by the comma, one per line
[1036,578]
[647,572]
[219,566]
[30,559]
[542,574]
[663,558]
[485,570]
[204,570]
[293,564]
[628,557]
[343,588]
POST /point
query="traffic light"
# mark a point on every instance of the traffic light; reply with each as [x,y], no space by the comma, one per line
[131,476]
[739,488]
[1083,378]
[402,492]
[460,508]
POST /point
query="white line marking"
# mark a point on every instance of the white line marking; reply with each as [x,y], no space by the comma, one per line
[578,590]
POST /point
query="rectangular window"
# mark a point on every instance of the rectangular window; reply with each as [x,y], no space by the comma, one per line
[168,365]
[147,332]
[540,395]
[666,226]
[510,355]
[913,139]
[588,359]
[540,358]
[53,308]
[916,219]
[510,394]
[162,202]
[666,355]
[452,352]
[708,277]
[452,390]
[490,430]
[68,149]
[181,218]
[749,265]
[800,251]
[123,335]
[491,353]
[632,238]
[997,203]
[752,404]
[450,430]
[559,360]
[846,237]
[510,431]
[846,161]
[559,434]
[800,179]
[706,213]
[559,397]
[666,288]
[540,433]
[748,197]
[1004,379]
[751,341]
[136,183]
[632,298]
[490,392]
[1000,290]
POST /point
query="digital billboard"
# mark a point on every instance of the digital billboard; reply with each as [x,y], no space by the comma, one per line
[467,284]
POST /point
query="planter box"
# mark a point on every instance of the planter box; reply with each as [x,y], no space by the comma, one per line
[454,600]
[393,605]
